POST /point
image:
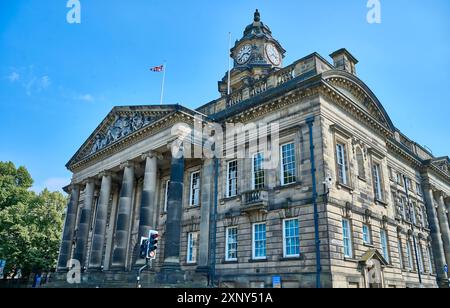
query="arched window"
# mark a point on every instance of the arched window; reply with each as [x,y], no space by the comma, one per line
[360,161]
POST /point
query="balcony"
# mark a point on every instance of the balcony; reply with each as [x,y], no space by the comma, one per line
[255,200]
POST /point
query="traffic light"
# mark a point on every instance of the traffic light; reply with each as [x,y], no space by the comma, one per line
[152,244]
[143,248]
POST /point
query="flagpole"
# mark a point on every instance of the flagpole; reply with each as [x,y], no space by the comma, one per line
[229,64]
[163,81]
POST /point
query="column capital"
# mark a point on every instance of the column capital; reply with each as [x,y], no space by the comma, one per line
[127,164]
[151,154]
[88,181]
[105,173]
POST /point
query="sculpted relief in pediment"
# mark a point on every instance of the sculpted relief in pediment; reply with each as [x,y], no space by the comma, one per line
[121,127]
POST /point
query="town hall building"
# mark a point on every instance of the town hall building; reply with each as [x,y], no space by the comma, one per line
[351,203]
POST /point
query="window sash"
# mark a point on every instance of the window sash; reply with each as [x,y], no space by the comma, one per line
[342,163]
[366,234]
[288,165]
[192,247]
[420,257]
[430,261]
[347,239]
[409,256]
[232,177]
[400,252]
[384,245]
[195,189]
[291,238]
[258,175]
[231,244]
[377,182]
[259,241]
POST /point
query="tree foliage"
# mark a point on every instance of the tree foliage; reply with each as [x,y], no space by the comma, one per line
[30,224]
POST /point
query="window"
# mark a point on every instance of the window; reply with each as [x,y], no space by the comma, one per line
[430,261]
[259,241]
[400,252]
[341,157]
[231,244]
[166,196]
[384,245]
[291,238]
[360,161]
[409,257]
[413,213]
[288,166]
[377,182]
[399,179]
[232,178]
[192,247]
[419,256]
[195,189]
[366,235]
[347,238]
[402,207]
[258,171]
[419,189]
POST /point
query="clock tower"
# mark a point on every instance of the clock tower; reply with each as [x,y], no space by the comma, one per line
[255,56]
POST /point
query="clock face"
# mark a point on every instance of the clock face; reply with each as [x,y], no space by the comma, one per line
[273,54]
[244,54]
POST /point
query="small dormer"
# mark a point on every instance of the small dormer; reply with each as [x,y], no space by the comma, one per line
[344,60]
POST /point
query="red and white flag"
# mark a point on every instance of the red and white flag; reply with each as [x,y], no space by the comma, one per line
[157,68]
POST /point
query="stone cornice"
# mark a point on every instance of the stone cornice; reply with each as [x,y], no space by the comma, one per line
[403,153]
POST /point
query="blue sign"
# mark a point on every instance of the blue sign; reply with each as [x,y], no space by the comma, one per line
[446,268]
[2,263]
[276,282]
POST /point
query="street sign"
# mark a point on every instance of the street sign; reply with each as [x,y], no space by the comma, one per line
[276,282]
[446,268]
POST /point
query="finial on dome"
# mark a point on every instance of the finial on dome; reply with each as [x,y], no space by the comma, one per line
[257,16]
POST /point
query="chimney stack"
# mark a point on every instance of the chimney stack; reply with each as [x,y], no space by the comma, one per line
[344,60]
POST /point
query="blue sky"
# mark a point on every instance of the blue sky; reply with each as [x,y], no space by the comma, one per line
[58,80]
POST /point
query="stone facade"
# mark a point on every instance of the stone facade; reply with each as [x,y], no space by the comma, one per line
[382,200]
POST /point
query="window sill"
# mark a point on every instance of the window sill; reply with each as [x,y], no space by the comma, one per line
[257,260]
[348,259]
[191,208]
[228,199]
[381,202]
[287,186]
[230,262]
[345,186]
[362,179]
[368,245]
[294,258]
[190,264]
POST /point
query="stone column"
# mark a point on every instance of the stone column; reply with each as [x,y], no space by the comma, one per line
[84,223]
[443,223]
[436,244]
[207,203]
[174,209]
[98,238]
[148,205]
[122,234]
[69,228]
[447,204]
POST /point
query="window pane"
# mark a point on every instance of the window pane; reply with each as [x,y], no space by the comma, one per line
[195,189]
[258,171]
[291,237]
[232,179]
[259,241]
[346,235]
[231,245]
[288,167]
[384,245]
[341,162]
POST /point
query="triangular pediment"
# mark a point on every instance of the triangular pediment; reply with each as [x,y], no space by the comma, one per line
[443,164]
[373,254]
[355,90]
[122,123]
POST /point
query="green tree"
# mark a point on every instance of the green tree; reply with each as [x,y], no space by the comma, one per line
[30,224]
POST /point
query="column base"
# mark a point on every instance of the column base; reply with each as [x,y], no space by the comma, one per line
[171,273]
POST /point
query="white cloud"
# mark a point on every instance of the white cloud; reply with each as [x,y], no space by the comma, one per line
[52,184]
[86,97]
[13,77]
[45,82]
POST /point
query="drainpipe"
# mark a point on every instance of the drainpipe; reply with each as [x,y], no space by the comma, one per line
[213,224]
[412,233]
[310,122]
